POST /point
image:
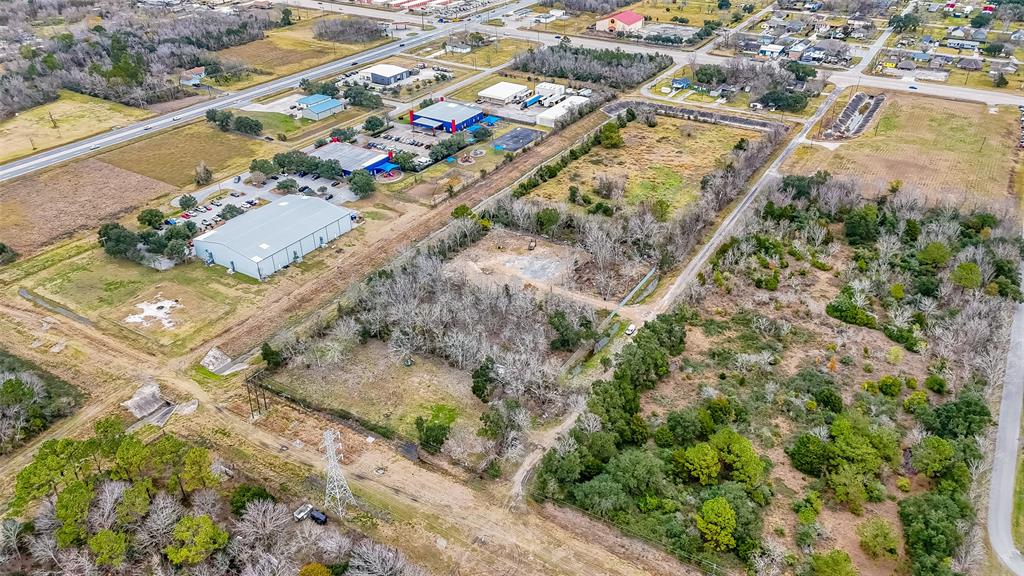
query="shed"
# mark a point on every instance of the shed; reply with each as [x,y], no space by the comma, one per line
[264,240]
[352,158]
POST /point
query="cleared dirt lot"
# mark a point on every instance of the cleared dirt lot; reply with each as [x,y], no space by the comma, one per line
[52,204]
[76,116]
[940,147]
[172,156]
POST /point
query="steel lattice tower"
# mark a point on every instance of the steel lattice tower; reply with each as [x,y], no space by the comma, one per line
[337,494]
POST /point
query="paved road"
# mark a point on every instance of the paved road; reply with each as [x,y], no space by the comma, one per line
[89,145]
[1004,466]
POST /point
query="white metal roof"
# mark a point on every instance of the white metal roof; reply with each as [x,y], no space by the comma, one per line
[350,157]
[263,231]
[502,91]
[387,70]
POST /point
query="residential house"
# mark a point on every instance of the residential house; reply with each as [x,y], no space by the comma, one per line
[979,35]
[962,44]
[771,51]
[969,64]
[927,40]
[920,56]
[1017,36]
[192,76]
[906,65]
[956,32]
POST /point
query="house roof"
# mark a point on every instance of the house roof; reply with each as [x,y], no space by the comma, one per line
[260,233]
[627,17]
[325,106]
[197,71]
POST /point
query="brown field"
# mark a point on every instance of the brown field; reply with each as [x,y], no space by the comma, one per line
[666,162]
[288,50]
[45,206]
[940,147]
[172,156]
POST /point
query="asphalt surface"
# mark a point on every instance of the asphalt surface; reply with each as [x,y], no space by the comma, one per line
[236,99]
[1004,465]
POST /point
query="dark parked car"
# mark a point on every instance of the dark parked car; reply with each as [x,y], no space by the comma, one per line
[318,517]
[305,189]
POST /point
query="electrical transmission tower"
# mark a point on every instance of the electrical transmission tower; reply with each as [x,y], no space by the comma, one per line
[337,494]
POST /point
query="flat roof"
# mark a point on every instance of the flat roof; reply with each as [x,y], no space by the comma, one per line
[324,106]
[350,157]
[313,99]
[448,111]
[263,231]
[388,70]
[502,90]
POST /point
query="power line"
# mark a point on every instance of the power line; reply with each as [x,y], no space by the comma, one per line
[337,494]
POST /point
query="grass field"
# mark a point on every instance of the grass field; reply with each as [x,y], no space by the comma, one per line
[696,11]
[499,52]
[47,205]
[77,116]
[662,163]
[574,24]
[275,123]
[288,50]
[939,147]
[172,156]
[107,290]
[376,388]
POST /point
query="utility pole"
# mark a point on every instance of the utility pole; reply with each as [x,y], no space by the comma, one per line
[337,494]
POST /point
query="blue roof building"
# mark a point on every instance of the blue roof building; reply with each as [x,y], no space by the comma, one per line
[323,109]
[312,99]
[447,116]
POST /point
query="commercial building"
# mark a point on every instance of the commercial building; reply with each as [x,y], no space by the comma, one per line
[324,109]
[266,239]
[353,158]
[307,101]
[385,74]
[551,116]
[503,93]
[545,89]
[447,116]
[625,21]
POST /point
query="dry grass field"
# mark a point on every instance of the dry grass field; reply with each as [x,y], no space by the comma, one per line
[666,162]
[499,52]
[76,115]
[51,204]
[288,50]
[940,147]
[172,156]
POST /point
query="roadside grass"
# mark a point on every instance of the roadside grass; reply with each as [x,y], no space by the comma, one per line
[575,24]
[275,123]
[695,11]
[76,116]
[172,156]
[666,163]
[982,81]
[288,50]
[936,146]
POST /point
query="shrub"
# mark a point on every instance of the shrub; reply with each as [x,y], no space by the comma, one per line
[935,383]
[246,493]
[716,522]
[967,276]
[432,433]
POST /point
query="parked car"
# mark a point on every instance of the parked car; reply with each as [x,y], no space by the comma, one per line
[237,194]
[217,203]
[318,517]
[186,215]
[631,329]
[268,138]
[238,179]
[335,184]
[329,197]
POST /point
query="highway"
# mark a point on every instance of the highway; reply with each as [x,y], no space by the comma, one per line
[115,137]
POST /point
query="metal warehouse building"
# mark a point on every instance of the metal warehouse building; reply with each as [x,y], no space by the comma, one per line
[447,116]
[503,93]
[386,74]
[261,242]
[353,158]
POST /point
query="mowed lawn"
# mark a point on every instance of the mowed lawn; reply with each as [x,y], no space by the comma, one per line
[666,162]
[172,156]
[288,50]
[76,115]
[939,147]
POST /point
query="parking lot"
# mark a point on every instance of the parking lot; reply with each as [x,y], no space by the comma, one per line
[402,138]
[283,105]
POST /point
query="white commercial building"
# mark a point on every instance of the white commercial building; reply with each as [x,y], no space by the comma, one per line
[266,239]
[385,74]
[551,116]
[545,89]
[503,93]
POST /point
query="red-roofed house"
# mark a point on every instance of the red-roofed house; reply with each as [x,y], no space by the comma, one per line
[625,21]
